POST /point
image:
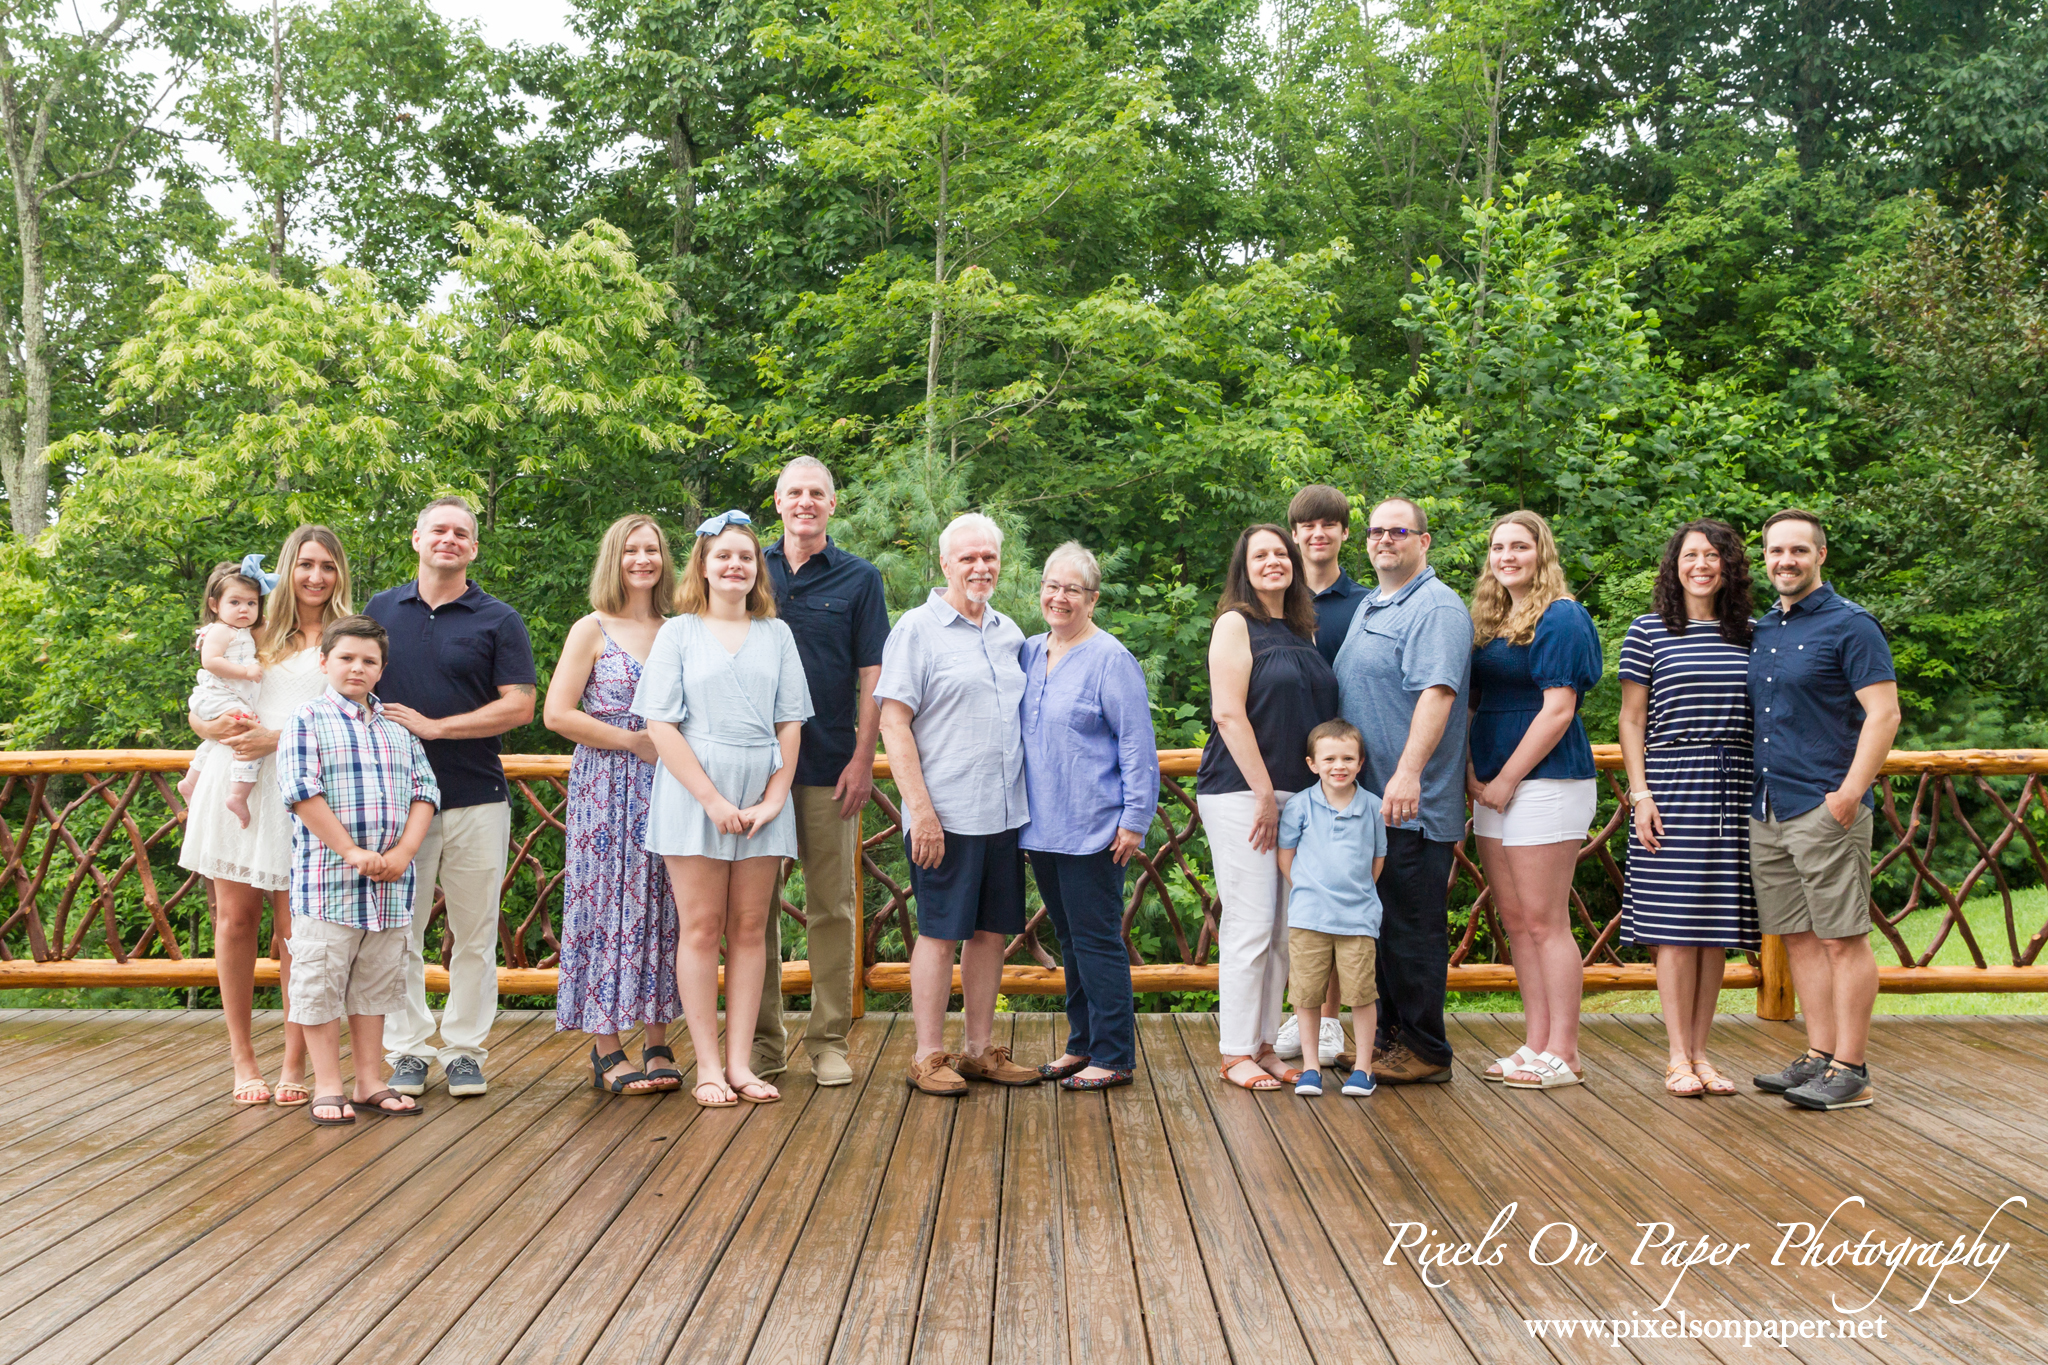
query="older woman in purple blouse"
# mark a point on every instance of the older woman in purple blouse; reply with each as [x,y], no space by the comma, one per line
[1091,769]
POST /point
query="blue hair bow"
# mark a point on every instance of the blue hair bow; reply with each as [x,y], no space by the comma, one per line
[724,519]
[252,569]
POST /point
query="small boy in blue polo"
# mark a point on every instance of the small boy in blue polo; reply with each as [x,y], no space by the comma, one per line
[1332,846]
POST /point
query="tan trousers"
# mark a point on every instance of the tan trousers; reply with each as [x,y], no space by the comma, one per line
[830,850]
[464,852]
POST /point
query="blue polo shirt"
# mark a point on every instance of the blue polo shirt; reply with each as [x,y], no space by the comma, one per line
[1331,889]
[1335,606]
[447,661]
[835,609]
[1804,672]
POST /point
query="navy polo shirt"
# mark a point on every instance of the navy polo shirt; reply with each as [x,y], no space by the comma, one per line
[1335,606]
[1804,672]
[447,661]
[835,609]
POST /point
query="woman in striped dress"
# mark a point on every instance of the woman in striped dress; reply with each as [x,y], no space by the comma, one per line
[1685,738]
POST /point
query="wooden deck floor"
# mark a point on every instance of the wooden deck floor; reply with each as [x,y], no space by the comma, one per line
[142,1219]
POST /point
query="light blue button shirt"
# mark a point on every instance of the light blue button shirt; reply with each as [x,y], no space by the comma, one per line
[1332,887]
[1091,761]
[963,684]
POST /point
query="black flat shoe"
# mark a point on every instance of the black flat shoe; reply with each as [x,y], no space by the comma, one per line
[1053,1071]
[1109,1082]
[668,1076]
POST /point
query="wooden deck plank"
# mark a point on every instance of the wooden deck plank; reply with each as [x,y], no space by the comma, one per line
[1181,1324]
[1035,1243]
[111,1072]
[1777,1148]
[29,1036]
[1248,1290]
[956,1317]
[285,1222]
[735,1300]
[1327,1308]
[880,1309]
[803,1316]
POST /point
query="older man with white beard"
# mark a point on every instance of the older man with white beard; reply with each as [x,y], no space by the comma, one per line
[950,687]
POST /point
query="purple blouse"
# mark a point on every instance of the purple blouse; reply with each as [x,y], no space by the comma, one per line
[1091,763]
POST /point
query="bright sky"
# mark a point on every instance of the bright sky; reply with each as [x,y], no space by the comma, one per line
[505,22]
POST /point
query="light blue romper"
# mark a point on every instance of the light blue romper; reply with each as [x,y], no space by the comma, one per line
[728,706]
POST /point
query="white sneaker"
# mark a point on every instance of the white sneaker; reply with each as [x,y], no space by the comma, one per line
[1330,1038]
[1288,1044]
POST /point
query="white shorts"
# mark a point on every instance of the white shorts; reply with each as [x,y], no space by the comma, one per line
[1547,810]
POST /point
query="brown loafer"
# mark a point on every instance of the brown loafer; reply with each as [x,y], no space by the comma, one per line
[1401,1066]
[934,1076]
[994,1065]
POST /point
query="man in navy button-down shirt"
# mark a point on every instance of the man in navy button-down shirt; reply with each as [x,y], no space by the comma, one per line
[832,600]
[1827,706]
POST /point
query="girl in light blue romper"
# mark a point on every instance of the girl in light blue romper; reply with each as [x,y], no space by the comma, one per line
[725,723]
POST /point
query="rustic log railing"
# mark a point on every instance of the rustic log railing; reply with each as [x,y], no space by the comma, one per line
[91,894]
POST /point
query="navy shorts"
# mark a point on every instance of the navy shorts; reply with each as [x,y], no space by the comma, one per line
[977,887]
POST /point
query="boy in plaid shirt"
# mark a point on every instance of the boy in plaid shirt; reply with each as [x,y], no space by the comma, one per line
[361,796]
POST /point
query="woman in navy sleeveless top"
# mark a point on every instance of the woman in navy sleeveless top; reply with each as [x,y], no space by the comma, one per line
[1535,654]
[1268,688]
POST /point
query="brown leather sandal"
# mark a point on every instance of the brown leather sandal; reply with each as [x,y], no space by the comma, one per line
[1675,1077]
[1714,1081]
[1265,1080]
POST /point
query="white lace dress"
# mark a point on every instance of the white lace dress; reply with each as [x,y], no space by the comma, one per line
[216,845]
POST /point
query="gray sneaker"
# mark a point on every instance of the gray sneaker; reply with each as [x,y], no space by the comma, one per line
[1836,1088]
[1803,1069]
[465,1077]
[409,1076]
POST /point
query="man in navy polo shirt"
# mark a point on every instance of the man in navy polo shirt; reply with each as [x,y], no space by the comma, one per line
[460,675]
[1827,706]
[832,601]
[1321,518]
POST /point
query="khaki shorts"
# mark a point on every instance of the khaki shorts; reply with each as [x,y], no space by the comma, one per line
[1312,955]
[1811,875]
[337,970]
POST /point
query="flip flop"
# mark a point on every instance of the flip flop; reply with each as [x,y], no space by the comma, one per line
[697,1094]
[375,1105]
[331,1102]
[758,1099]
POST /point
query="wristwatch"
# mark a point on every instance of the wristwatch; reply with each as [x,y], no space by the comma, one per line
[1637,798]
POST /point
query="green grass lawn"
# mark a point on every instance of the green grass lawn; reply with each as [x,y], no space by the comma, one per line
[1987,922]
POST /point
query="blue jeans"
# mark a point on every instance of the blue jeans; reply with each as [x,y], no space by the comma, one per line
[1084,898]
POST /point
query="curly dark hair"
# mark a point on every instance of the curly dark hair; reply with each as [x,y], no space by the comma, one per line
[1298,607]
[1733,603]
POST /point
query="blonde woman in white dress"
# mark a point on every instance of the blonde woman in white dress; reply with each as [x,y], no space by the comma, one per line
[248,865]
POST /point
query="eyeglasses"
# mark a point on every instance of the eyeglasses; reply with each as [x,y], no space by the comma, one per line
[1397,534]
[1052,589]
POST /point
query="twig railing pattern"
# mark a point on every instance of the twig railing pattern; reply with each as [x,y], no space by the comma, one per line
[89,877]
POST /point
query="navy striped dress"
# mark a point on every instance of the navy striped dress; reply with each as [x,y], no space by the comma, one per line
[1695,890]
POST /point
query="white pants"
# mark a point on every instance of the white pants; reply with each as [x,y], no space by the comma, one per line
[1251,924]
[464,852]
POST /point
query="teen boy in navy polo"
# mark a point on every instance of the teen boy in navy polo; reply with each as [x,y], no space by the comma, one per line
[1827,707]
[1333,845]
[832,601]
[460,675]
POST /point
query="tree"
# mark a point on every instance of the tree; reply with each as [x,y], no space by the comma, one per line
[73,111]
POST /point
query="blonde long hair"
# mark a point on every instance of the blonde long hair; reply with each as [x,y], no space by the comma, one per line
[280,635]
[1494,613]
[693,594]
[608,576]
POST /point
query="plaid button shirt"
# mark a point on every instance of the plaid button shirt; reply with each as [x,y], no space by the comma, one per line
[370,770]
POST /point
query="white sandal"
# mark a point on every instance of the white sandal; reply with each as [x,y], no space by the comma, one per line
[1518,1060]
[1550,1073]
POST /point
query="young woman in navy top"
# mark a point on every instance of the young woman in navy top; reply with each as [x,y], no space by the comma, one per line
[1534,655]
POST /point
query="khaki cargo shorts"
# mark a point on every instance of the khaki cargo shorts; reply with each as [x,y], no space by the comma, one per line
[1811,875]
[1312,955]
[337,970]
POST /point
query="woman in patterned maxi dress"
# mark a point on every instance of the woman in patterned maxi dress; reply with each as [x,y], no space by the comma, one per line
[618,959]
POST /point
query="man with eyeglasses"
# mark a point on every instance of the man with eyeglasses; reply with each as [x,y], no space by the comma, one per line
[1403,674]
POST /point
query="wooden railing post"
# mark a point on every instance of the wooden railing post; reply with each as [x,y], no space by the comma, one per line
[1774,997]
[860,925]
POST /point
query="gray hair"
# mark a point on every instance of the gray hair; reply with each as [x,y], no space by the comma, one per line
[969,521]
[806,464]
[1083,560]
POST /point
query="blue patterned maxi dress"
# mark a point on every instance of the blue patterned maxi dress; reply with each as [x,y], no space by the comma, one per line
[618,913]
